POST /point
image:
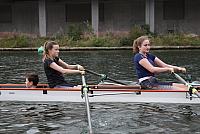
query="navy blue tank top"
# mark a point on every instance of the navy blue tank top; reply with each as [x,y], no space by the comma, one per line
[140,70]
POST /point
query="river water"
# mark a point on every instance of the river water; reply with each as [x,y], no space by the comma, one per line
[107,118]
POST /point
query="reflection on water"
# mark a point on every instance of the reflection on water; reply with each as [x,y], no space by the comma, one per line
[112,118]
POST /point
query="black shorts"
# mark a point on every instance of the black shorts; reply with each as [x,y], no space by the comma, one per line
[153,83]
[64,86]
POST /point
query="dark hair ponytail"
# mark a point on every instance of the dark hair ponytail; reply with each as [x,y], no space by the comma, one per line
[48,45]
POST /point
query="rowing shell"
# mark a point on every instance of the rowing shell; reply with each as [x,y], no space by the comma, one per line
[97,93]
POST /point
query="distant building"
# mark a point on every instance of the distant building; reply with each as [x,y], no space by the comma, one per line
[48,17]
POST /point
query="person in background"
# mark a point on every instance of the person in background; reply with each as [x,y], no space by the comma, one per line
[32,80]
[147,65]
[54,67]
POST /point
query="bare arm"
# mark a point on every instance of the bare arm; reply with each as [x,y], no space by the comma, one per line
[65,71]
[160,63]
[146,64]
[67,66]
[63,64]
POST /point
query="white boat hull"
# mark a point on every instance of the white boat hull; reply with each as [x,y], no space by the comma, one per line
[75,96]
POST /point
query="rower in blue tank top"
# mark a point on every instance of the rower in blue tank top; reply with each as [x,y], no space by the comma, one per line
[140,70]
[147,65]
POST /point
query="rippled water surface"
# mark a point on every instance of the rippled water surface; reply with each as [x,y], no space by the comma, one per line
[107,118]
[112,118]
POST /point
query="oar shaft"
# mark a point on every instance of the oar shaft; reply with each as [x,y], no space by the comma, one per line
[108,78]
[85,90]
[187,84]
[180,78]
[119,82]
[92,72]
[83,80]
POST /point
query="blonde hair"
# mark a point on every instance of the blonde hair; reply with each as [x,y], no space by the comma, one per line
[138,42]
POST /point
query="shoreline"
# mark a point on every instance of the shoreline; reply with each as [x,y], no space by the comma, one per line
[103,48]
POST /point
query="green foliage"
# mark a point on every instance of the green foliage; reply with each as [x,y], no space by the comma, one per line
[16,41]
[87,27]
[147,29]
[99,42]
[137,31]
[84,37]
[175,40]
[36,42]
[75,32]
[79,31]
[125,41]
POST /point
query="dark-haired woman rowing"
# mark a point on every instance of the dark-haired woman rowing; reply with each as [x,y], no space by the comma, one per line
[54,67]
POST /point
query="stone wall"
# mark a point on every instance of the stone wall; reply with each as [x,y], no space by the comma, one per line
[118,16]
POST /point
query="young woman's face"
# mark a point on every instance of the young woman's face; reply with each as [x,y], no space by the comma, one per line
[145,46]
[54,52]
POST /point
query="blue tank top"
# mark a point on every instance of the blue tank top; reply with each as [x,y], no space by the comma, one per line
[140,70]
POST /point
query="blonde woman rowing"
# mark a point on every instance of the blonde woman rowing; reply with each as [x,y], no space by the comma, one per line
[147,65]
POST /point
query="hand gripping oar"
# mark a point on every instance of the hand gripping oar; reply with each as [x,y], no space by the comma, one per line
[85,91]
[192,90]
[105,77]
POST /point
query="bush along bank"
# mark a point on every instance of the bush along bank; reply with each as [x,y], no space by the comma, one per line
[76,37]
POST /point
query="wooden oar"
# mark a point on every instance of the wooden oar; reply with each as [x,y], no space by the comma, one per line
[192,90]
[105,77]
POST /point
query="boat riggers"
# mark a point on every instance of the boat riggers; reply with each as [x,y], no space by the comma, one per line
[82,90]
[191,89]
